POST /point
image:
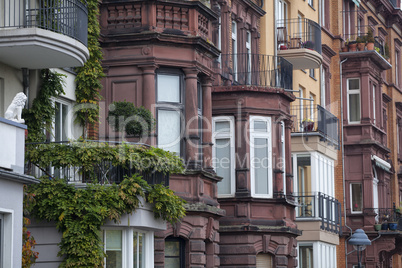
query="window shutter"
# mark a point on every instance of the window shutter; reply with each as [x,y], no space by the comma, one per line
[264,261]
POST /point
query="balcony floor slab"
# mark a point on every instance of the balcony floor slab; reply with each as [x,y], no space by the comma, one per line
[36,48]
[302,58]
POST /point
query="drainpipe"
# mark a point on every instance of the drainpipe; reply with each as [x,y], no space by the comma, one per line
[25,84]
[343,163]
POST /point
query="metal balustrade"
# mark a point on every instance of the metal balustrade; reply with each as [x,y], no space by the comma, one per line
[322,207]
[256,70]
[67,17]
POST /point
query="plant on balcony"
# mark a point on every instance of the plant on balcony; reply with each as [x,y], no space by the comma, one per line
[283,47]
[370,39]
[124,116]
[386,51]
[79,213]
[308,124]
[361,43]
[352,44]
[308,44]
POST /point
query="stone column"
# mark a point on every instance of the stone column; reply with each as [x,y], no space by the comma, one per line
[191,116]
[207,123]
[149,94]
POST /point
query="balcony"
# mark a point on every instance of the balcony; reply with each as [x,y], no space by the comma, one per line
[255,70]
[385,215]
[310,120]
[104,172]
[299,41]
[43,34]
[321,207]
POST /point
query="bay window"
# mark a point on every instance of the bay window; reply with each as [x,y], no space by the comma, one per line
[169,99]
[128,248]
[223,154]
[353,89]
[316,254]
[261,159]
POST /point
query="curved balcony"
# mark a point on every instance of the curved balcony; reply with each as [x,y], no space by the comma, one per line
[255,70]
[299,41]
[43,34]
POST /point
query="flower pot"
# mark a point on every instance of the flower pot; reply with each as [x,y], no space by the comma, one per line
[392,226]
[370,46]
[283,47]
[352,47]
[345,49]
[384,226]
[377,227]
[360,46]
[308,126]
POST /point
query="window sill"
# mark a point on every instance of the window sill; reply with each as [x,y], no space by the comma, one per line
[312,77]
[311,7]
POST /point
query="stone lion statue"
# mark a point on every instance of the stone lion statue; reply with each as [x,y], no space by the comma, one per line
[14,111]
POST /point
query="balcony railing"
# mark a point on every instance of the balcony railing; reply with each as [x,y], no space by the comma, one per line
[320,206]
[310,118]
[104,172]
[67,17]
[298,33]
[386,215]
[256,70]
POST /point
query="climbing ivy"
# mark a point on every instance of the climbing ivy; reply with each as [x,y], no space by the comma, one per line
[89,76]
[40,116]
[79,213]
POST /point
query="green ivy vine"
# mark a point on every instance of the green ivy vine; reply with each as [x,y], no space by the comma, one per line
[89,76]
[79,213]
[40,116]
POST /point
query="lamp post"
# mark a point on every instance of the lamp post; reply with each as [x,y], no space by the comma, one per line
[359,241]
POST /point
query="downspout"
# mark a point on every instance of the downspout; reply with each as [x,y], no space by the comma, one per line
[343,163]
[25,84]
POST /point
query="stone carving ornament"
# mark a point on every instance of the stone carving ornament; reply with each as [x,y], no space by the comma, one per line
[14,111]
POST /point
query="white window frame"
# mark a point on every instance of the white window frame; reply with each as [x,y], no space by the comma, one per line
[283,145]
[267,135]
[128,246]
[7,237]
[248,50]
[311,3]
[65,126]
[353,92]
[375,192]
[374,104]
[220,37]
[322,84]
[226,135]
[324,254]
[234,49]
[351,198]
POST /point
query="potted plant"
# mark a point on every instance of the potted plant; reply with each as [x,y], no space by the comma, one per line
[135,121]
[352,45]
[283,47]
[370,39]
[308,44]
[377,227]
[308,124]
[360,43]
[386,51]
[384,225]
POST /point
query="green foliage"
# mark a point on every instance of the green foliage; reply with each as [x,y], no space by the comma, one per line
[87,154]
[79,213]
[40,116]
[29,256]
[136,121]
[370,37]
[386,51]
[89,76]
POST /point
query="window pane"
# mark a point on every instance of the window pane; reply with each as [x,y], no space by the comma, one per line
[354,84]
[306,256]
[354,107]
[64,122]
[356,197]
[169,130]
[222,126]
[223,163]
[168,88]
[260,126]
[172,263]
[172,254]
[139,244]
[303,174]
[260,165]
[57,122]
[113,248]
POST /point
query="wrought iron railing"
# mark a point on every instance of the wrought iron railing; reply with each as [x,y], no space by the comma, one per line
[310,118]
[67,17]
[320,206]
[298,33]
[386,215]
[256,70]
[103,172]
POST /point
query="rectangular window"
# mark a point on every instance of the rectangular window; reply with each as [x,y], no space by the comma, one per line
[261,159]
[353,88]
[306,256]
[61,122]
[234,49]
[312,73]
[311,3]
[248,51]
[224,154]
[200,121]
[399,135]
[169,111]
[374,105]
[356,197]
[397,68]
[1,240]
[127,248]
[174,253]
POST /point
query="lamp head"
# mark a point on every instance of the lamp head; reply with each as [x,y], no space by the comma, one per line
[359,240]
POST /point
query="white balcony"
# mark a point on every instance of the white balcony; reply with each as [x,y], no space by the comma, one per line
[35,36]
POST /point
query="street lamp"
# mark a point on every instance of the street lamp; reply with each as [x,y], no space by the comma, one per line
[359,241]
